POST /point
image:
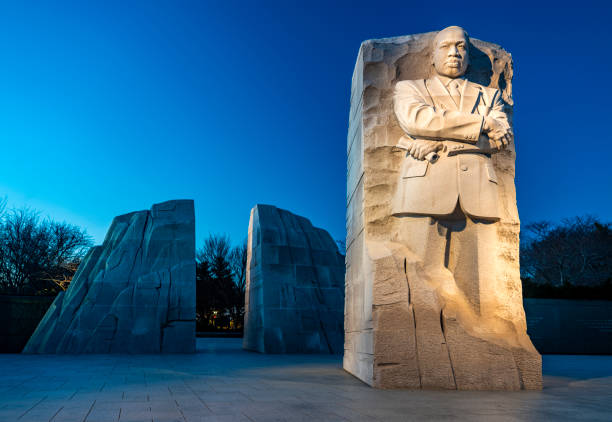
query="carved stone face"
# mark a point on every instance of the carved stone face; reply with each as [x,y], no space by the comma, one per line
[450,55]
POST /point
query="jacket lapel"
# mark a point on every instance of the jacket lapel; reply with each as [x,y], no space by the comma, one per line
[470,94]
[439,95]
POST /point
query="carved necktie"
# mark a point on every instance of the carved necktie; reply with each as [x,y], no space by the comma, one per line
[453,89]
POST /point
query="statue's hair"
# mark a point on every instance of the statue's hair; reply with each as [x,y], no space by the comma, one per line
[467,37]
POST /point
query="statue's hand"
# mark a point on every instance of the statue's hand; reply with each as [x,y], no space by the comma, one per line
[488,145]
[498,132]
[419,148]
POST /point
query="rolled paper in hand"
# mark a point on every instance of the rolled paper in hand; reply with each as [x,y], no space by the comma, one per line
[432,157]
[405,143]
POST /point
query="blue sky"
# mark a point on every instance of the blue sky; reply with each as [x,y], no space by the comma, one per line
[107,107]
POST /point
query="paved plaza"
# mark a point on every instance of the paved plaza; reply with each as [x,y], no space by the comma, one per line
[224,383]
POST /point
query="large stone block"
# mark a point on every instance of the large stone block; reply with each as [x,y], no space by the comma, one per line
[133,294]
[295,285]
[406,326]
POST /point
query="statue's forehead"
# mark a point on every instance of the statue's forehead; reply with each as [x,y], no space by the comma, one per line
[450,35]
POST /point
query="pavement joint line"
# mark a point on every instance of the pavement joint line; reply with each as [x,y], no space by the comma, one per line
[89,411]
[198,397]
[36,404]
[180,410]
[56,413]
[247,416]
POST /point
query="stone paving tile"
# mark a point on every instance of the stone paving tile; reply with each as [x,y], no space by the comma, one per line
[223,397]
[104,415]
[71,414]
[225,408]
[224,383]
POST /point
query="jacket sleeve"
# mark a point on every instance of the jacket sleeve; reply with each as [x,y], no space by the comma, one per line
[419,119]
[497,109]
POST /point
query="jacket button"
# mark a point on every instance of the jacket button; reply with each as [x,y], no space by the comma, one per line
[464,167]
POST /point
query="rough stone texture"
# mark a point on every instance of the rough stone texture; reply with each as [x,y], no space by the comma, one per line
[133,294]
[403,330]
[295,285]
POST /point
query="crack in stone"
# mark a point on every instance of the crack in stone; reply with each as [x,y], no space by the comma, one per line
[518,371]
[450,360]
[164,325]
[416,344]
[416,347]
[138,251]
[317,288]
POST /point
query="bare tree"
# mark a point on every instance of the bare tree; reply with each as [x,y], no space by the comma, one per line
[238,262]
[576,252]
[220,277]
[215,247]
[38,256]
[3,202]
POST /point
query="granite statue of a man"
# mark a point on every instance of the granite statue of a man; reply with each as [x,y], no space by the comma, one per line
[433,290]
[448,188]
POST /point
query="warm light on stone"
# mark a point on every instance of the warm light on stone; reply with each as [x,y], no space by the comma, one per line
[433,293]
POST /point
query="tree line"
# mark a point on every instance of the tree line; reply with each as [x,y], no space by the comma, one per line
[220,284]
[569,260]
[38,256]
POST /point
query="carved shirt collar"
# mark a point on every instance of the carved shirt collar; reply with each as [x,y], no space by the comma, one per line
[446,80]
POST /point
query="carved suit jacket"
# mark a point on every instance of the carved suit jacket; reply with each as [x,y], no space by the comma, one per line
[464,172]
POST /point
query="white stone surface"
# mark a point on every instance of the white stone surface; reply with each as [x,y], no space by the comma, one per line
[433,294]
[133,294]
[294,285]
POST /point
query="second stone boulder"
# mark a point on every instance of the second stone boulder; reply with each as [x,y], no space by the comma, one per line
[295,285]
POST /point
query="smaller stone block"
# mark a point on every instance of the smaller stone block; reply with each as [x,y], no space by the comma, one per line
[133,294]
[295,286]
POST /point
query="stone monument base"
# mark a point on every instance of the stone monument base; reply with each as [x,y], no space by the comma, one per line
[426,334]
